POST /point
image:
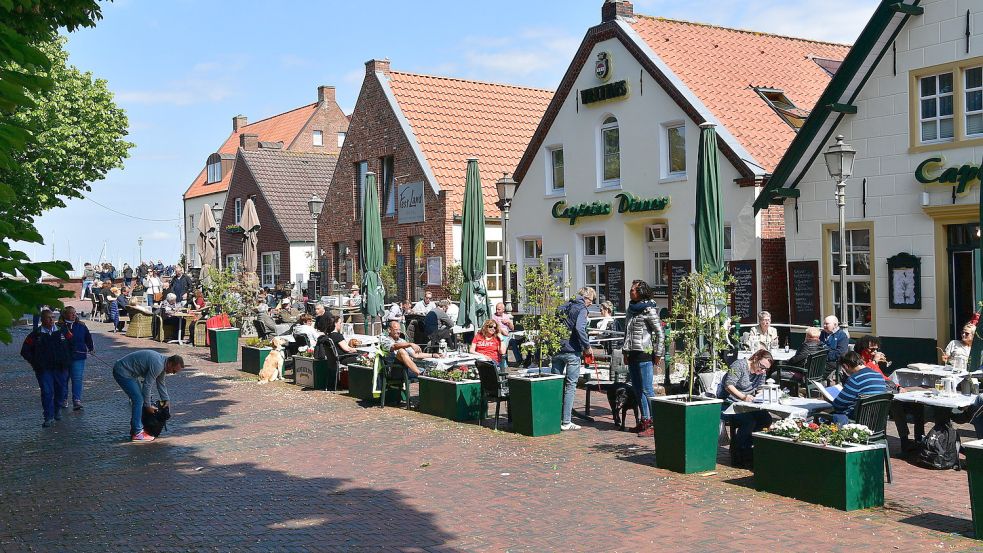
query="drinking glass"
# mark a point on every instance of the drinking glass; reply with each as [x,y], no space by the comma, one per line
[938,386]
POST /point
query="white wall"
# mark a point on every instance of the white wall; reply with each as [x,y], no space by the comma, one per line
[300,260]
[492,233]
[193,207]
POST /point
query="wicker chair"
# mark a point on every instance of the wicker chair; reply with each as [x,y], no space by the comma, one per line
[141,325]
[199,333]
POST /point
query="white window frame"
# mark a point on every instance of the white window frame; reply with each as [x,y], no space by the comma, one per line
[274,258]
[341,139]
[193,260]
[658,257]
[966,92]
[551,188]
[558,265]
[213,172]
[667,173]
[237,213]
[603,183]
[937,118]
[595,260]
[317,138]
[852,280]
[494,266]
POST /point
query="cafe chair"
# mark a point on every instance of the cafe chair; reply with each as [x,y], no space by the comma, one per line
[164,332]
[393,376]
[332,360]
[261,330]
[494,387]
[811,375]
[872,411]
[141,324]
[300,341]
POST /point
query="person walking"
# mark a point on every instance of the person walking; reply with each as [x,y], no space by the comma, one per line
[81,339]
[154,288]
[567,360]
[49,352]
[136,373]
[113,304]
[642,349]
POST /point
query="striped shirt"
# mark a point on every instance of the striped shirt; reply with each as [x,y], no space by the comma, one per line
[862,382]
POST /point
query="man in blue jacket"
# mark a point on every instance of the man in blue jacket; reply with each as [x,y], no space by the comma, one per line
[81,340]
[574,313]
[837,342]
[49,351]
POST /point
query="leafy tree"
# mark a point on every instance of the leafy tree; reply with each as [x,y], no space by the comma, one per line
[453,279]
[388,276]
[228,292]
[541,298]
[700,315]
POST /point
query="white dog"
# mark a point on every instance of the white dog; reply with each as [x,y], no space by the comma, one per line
[273,365]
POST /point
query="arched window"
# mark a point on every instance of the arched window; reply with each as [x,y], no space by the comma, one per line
[610,153]
[214,169]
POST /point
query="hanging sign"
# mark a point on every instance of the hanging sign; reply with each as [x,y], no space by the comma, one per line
[964,177]
[411,203]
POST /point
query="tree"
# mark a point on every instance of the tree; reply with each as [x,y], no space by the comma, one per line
[453,279]
[699,315]
[24,76]
[542,299]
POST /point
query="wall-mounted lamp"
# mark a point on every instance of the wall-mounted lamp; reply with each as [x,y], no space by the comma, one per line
[399,248]
[432,245]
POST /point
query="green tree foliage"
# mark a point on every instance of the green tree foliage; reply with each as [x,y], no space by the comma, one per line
[388,276]
[699,312]
[541,299]
[453,279]
[228,292]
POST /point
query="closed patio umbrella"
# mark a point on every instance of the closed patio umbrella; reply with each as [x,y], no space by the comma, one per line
[709,222]
[250,237]
[207,231]
[370,252]
[474,296]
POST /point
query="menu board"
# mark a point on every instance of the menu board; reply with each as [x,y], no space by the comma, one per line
[744,297]
[616,283]
[803,287]
[678,269]
[401,277]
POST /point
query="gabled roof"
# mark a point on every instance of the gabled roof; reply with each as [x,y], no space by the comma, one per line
[838,98]
[287,180]
[454,119]
[711,73]
[279,128]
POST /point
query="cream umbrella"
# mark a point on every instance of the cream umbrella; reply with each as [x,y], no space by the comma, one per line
[250,226]
[207,236]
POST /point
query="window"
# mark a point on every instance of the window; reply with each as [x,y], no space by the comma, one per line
[233,262]
[388,186]
[935,107]
[361,169]
[419,267]
[214,170]
[595,274]
[270,269]
[238,210]
[556,169]
[494,265]
[858,277]
[341,139]
[658,243]
[974,101]
[610,153]
[728,242]
[784,107]
[318,138]
[675,153]
[191,224]
[338,256]
[532,249]
[193,260]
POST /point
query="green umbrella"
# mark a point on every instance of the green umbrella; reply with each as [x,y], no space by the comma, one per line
[474,296]
[709,222]
[370,252]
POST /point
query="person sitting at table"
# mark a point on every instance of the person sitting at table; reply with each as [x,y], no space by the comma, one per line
[837,342]
[397,311]
[869,348]
[487,342]
[606,322]
[452,311]
[810,346]
[355,297]
[437,325]
[762,335]
[506,326]
[956,352]
[287,313]
[426,305]
[399,350]
[305,326]
[739,384]
[270,327]
[170,311]
[323,321]
[345,348]
[860,380]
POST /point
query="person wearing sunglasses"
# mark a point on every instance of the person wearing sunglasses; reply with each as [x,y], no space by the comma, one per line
[956,353]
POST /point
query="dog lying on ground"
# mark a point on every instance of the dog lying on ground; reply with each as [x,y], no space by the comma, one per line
[273,365]
[621,398]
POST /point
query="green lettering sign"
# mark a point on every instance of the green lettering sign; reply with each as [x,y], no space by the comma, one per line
[608,91]
[627,203]
[574,212]
[930,172]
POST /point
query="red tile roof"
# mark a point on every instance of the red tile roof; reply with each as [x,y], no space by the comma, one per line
[722,66]
[279,128]
[454,119]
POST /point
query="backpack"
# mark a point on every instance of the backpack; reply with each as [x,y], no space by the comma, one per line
[155,423]
[938,449]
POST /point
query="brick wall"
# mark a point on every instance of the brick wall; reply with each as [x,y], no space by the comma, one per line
[329,118]
[374,133]
[774,279]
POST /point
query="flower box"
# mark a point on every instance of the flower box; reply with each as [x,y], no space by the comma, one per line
[847,478]
[686,432]
[314,373]
[536,403]
[458,401]
[223,345]
[253,358]
[974,470]
[363,383]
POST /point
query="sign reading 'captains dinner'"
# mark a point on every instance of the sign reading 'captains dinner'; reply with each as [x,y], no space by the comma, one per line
[627,203]
[964,177]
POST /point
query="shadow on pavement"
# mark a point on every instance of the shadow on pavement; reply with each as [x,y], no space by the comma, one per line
[941,523]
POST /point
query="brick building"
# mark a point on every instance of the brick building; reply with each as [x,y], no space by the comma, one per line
[618,145]
[316,127]
[416,132]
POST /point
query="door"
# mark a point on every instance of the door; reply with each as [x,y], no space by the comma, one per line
[965,286]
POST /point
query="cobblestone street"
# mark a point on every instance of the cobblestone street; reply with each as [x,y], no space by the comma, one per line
[275,468]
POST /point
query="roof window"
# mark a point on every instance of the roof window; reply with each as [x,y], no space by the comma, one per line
[784,107]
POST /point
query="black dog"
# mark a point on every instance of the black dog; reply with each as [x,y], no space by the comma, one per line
[621,398]
[155,423]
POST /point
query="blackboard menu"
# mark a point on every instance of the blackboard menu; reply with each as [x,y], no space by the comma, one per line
[744,296]
[803,287]
[616,283]
[678,270]
[401,277]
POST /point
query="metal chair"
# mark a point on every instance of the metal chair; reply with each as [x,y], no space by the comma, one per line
[333,360]
[494,387]
[261,330]
[872,411]
[393,377]
[812,374]
[300,341]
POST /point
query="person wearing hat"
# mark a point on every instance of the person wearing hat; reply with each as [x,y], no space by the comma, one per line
[286,313]
[355,298]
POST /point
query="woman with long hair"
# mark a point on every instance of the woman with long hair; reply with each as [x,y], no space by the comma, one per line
[487,342]
[642,348]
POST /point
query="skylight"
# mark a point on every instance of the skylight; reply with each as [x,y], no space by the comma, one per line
[784,107]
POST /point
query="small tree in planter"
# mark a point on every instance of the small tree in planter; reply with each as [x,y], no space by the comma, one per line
[388,276]
[699,317]
[453,279]
[227,293]
[544,325]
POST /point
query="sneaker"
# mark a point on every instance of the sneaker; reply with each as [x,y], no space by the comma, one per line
[48,423]
[78,406]
[569,426]
[142,436]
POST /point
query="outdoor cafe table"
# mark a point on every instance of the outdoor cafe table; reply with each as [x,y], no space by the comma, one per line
[451,361]
[365,339]
[780,354]
[925,375]
[798,407]
[941,405]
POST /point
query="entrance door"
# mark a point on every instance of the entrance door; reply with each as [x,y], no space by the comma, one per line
[965,287]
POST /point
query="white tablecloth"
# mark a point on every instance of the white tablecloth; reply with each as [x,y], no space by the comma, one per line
[930,397]
[923,375]
[452,360]
[365,339]
[779,354]
[799,407]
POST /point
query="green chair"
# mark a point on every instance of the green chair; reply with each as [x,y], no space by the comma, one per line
[812,374]
[872,411]
[393,377]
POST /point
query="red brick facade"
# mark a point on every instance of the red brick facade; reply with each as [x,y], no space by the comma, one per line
[774,280]
[329,119]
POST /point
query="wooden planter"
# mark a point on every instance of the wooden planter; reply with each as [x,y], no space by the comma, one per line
[253,358]
[974,470]
[223,345]
[363,383]
[457,401]
[313,373]
[686,433]
[536,404]
[845,478]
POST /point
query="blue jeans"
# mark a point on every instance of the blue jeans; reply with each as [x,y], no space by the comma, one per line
[640,373]
[51,382]
[76,372]
[570,362]
[747,424]
[513,345]
[134,391]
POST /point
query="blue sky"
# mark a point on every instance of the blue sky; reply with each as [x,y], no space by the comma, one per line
[183,68]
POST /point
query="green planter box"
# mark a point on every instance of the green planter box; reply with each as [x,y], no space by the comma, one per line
[457,401]
[363,383]
[223,345]
[686,433]
[845,478]
[253,358]
[974,470]
[313,373]
[536,404]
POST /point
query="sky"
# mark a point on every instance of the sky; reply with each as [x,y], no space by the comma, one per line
[182,69]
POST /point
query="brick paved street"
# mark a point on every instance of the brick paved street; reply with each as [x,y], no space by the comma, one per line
[274,468]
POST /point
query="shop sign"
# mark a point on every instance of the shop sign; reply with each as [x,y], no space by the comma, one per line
[411,205]
[602,66]
[964,177]
[610,91]
[627,203]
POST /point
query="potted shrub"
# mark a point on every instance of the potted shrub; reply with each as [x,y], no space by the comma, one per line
[454,394]
[313,373]
[254,352]
[820,463]
[686,425]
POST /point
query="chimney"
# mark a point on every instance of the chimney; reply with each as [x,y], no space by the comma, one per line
[249,141]
[325,94]
[377,66]
[616,9]
[238,122]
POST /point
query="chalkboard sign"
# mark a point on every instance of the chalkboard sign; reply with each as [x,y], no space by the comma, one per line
[401,277]
[616,284]
[744,296]
[803,286]
[678,269]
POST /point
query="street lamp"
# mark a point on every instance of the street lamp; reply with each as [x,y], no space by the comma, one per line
[217,215]
[315,204]
[506,190]
[140,245]
[839,162]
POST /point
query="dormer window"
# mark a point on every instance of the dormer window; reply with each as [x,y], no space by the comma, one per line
[784,107]
[213,169]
